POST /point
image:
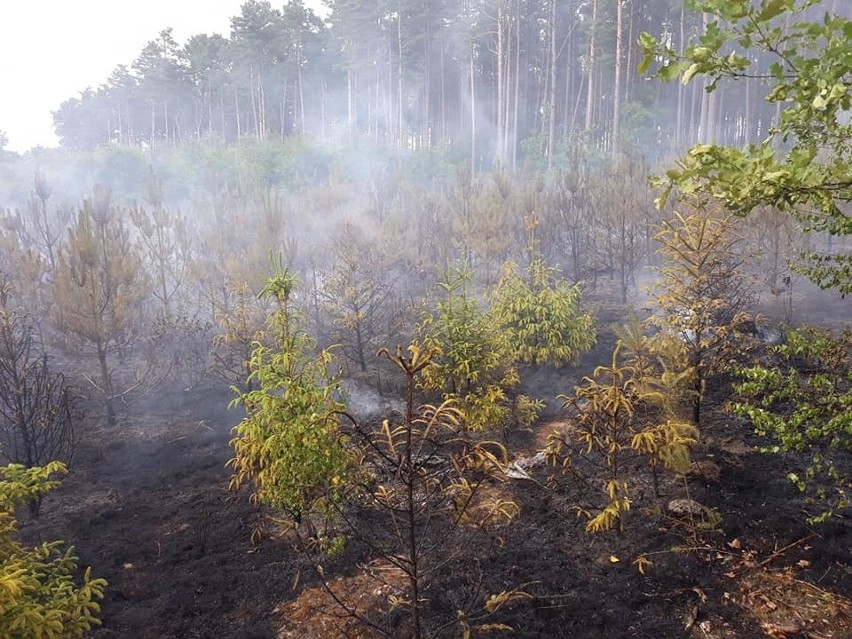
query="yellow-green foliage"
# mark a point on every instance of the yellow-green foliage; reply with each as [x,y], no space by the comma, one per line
[610,515]
[486,406]
[701,295]
[497,405]
[614,416]
[466,345]
[473,363]
[636,346]
[541,316]
[667,444]
[39,598]
[289,445]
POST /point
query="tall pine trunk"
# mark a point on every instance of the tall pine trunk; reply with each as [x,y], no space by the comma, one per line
[616,106]
[590,83]
[551,92]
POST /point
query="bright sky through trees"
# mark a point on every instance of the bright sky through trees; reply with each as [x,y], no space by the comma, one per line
[51,50]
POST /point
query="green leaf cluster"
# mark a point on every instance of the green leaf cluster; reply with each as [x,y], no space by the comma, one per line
[804,166]
[802,402]
[39,597]
[289,445]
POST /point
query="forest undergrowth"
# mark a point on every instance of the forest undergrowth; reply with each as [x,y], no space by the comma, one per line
[149,506]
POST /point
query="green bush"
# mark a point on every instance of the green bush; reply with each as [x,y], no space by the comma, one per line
[541,316]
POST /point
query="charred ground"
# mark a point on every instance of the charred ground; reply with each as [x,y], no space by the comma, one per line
[147,505]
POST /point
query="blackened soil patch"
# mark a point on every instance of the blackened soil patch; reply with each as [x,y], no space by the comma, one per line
[147,506]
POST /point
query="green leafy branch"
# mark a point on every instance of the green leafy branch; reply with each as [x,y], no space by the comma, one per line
[803,404]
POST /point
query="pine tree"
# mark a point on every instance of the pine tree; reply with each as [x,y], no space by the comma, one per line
[289,446]
[358,296]
[99,288]
[702,293]
[540,313]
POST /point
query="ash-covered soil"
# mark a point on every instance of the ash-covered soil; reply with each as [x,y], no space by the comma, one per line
[147,506]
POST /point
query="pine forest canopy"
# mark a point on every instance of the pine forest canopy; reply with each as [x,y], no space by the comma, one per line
[502,81]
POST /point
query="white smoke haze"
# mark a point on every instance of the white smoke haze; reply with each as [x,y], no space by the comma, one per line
[160,161]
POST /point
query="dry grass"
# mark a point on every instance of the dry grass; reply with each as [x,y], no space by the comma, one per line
[788,607]
[317,614]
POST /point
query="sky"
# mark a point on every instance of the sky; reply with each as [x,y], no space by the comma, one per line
[51,50]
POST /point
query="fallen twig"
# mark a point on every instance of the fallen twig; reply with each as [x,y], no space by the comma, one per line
[778,553]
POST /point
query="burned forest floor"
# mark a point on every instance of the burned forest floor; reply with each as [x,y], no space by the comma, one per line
[147,505]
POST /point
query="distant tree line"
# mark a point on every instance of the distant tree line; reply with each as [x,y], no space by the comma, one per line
[501,81]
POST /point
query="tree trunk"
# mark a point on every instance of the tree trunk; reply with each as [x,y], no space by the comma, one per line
[443,137]
[359,345]
[253,100]
[282,110]
[569,86]
[106,382]
[590,87]
[399,79]
[678,139]
[221,117]
[424,136]
[517,80]
[551,97]
[747,118]
[153,124]
[301,101]
[261,90]
[704,126]
[350,103]
[166,118]
[322,107]
[616,103]
[237,114]
[501,87]
[629,75]
[472,115]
